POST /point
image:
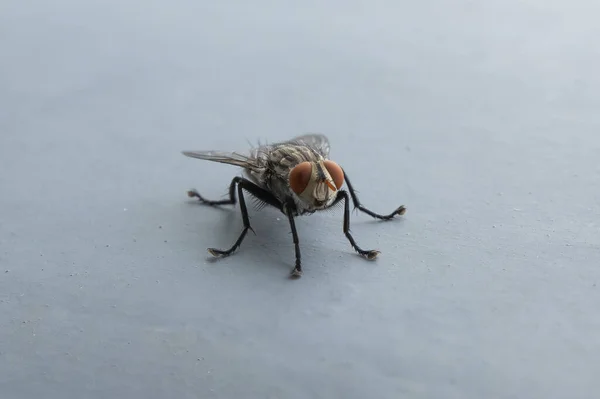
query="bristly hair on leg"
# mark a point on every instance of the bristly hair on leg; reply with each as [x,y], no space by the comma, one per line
[226,194]
[257,203]
[355,210]
[335,207]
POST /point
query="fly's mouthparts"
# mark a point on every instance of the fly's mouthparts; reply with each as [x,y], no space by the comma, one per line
[330,185]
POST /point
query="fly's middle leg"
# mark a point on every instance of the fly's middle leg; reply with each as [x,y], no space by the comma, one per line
[401,210]
[253,189]
[368,253]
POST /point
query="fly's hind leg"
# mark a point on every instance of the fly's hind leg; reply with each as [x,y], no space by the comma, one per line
[231,201]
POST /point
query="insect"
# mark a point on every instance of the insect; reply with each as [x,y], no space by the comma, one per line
[295,176]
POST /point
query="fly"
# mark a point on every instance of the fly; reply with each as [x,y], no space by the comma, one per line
[295,176]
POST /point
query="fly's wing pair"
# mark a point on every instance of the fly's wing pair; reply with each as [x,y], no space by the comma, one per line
[318,142]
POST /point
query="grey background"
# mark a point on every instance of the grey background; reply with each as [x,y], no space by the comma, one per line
[481,117]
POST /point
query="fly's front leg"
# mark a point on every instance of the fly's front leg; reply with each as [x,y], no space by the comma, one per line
[369,254]
[256,191]
[231,201]
[297,271]
[401,210]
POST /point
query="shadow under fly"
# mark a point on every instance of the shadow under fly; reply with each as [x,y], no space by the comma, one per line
[296,177]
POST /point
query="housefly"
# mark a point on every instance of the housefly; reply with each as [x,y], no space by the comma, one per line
[295,176]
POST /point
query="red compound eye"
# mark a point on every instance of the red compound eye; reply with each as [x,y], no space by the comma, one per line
[337,174]
[300,176]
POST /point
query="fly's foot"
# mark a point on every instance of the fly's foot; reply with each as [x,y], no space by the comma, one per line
[370,255]
[195,194]
[296,272]
[219,253]
[401,210]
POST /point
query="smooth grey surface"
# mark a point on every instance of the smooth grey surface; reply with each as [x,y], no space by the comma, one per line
[481,117]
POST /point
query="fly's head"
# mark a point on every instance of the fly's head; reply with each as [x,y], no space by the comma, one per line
[316,183]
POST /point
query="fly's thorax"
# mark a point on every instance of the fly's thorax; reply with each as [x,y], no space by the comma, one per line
[316,183]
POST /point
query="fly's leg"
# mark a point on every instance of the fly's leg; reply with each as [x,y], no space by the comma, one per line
[230,201]
[256,191]
[297,271]
[369,254]
[401,210]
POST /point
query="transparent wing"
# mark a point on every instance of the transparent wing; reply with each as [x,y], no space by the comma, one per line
[318,142]
[231,158]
